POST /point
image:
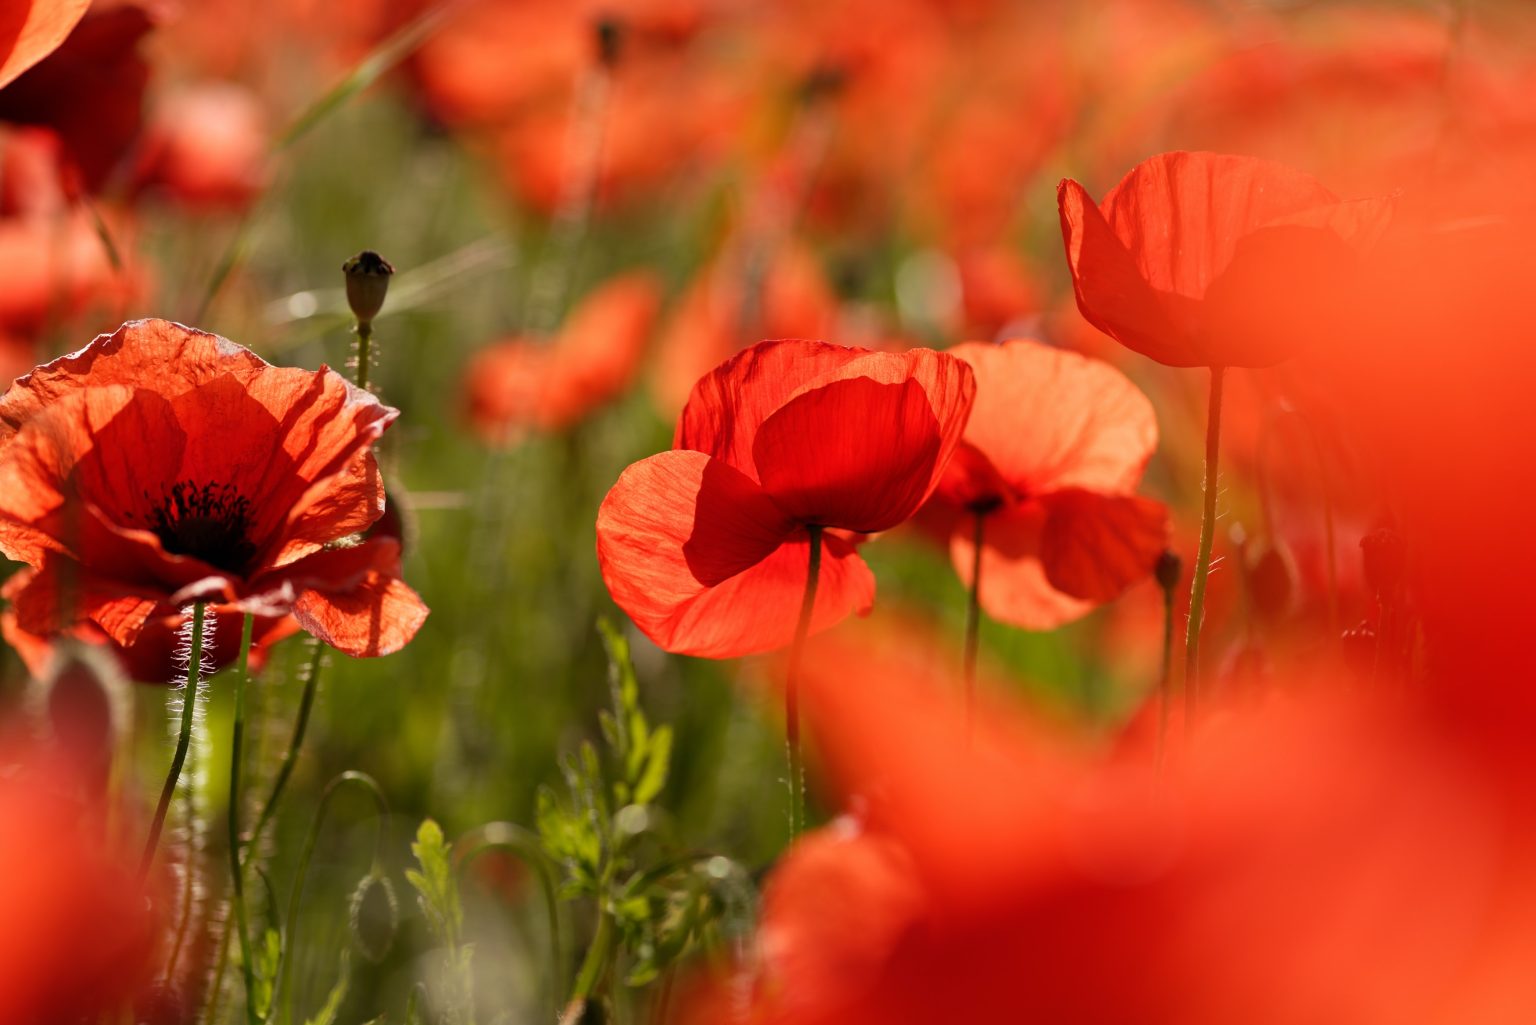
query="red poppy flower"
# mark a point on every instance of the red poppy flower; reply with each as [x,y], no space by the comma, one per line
[32,29]
[155,655]
[206,147]
[160,465]
[1201,259]
[1051,457]
[706,546]
[525,383]
[90,90]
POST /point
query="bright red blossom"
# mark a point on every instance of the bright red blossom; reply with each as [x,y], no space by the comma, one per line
[1201,259]
[161,465]
[1051,457]
[706,546]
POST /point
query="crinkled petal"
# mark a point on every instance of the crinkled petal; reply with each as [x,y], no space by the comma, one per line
[1048,419]
[377,616]
[705,563]
[1094,546]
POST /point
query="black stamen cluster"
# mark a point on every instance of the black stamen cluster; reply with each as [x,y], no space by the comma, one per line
[206,521]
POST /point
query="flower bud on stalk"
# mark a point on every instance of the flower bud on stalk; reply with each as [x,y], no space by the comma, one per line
[368,276]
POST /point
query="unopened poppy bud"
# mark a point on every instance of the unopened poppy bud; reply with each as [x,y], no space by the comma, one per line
[1270,583]
[82,704]
[367,283]
[1384,555]
[1168,570]
[609,36]
[375,915]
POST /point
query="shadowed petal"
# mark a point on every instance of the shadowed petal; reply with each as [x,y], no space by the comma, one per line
[1014,588]
[705,563]
[32,29]
[1094,546]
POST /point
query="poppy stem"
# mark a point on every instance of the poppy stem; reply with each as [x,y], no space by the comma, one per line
[236,872]
[1165,677]
[300,726]
[792,688]
[1203,557]
[364,352]
[973,625]
[183,741]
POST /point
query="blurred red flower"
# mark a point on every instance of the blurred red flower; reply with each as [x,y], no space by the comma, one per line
[206,147]
[520,384]
[90,90]
[1203,259]
[706,546]
[160,466]
[1051,457]
[79,936]
[32,29]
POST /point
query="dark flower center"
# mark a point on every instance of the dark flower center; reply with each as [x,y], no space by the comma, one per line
[207,521]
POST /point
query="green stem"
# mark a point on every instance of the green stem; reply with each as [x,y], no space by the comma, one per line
[236,873]
[183,741]
[1207,536]
[592,966]
[973,623]
[364,331]
[792,688]
[291,756]
[290,923]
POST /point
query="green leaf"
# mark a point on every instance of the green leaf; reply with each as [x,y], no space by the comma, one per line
[657,764]
[265,961]
[332,1007]
[436,883]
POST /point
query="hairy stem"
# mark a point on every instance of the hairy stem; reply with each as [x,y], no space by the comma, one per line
[183,741]
[236,866]
[1207,536]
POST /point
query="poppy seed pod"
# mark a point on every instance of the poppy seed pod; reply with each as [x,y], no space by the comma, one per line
[375,915]
[368,276]
[1383,554]
[1168,570]
[609,34]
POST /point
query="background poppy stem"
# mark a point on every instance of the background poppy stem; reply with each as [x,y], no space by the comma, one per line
[183,740]
[1165,677]
[792,689]
[236,871]
[1203,557]
[300,726]
[973,624]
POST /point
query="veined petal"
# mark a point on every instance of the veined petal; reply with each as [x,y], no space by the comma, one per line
[1094,546]
[706,564]
[1048,419]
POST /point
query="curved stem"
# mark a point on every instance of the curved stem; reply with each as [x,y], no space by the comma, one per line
[973,624]
[792,688]
[183,740]
[1207,536]
[290,922]
[514,838]
[236,873]
[291,756]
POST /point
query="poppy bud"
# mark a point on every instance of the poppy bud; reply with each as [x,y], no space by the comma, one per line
[1270,584]
[1168,570]
[374,917]
[81,703]
[367,284]
[610,39]
[1384,554]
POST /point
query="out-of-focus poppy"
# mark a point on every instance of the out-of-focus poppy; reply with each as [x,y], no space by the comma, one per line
[160,466]
[520,384]
[32,29]
[205,147]
[79,936]
[1204,259]
[706,546]
[90,90]
[1049,464]
[156,654]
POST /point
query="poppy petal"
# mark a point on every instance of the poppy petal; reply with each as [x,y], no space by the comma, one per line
[705,563]
[731,402]
[1111,291]
[1094,546]
[62,593]
[1014,587]
[1048,419]
[30,31]
[378,616]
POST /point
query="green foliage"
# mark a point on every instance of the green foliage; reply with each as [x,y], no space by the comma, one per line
[265,960]
[332,1006]
[438,895]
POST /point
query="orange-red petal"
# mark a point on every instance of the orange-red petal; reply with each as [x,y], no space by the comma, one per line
[32,29]
[1093,546]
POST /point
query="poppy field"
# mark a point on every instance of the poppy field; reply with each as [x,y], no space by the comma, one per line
[726,512]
